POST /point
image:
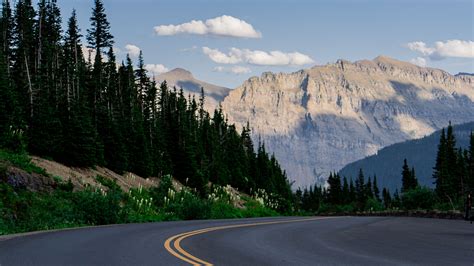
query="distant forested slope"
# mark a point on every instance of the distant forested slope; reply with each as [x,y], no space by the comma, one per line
[420,153]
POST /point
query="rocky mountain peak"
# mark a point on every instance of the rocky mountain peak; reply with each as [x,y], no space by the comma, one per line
[181,72]
[317,120]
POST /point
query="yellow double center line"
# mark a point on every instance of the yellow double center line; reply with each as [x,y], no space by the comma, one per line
[173,244]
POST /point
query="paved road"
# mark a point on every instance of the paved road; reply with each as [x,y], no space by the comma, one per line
[264,241]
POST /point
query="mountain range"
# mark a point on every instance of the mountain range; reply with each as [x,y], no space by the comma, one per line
[319,119]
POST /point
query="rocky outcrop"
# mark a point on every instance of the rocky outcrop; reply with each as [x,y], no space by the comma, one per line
[317,120]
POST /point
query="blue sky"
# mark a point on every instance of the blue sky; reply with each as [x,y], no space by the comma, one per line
[319,31]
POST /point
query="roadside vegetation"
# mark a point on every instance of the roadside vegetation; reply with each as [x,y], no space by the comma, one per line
[22,210]
[453,176]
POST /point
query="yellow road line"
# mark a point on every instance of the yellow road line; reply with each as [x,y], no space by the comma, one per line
[183,255]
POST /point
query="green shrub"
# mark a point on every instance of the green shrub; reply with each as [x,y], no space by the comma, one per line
[223,210]
[140,206]
[161,192]
[14,140]
[373,205]
[418,198]
[98,207]
[256,209]
[110,184]
[187,206]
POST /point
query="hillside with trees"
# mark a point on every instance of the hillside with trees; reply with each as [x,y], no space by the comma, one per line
[421,153]
[87,110]
[452,175]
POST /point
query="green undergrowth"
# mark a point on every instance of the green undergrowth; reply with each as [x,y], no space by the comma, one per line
[22,210]
[20,160]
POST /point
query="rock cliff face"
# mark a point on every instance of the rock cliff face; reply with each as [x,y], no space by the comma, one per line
[318,120]
[181,78]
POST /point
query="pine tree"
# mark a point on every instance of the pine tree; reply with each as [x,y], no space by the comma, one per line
[445,171]
[396,201]
[6,102]
[23,56]
[346,197]
[334,190]
[440,170]
[387,198]
[352,191]
[406,177]
[368,189]
[452,179]
[414,180]
[360,189]
[471,163]
[98,38]
[6,33]
[376,189]
[79,132]
[45,129]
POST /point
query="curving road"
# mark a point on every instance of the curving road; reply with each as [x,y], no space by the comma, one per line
[263,241]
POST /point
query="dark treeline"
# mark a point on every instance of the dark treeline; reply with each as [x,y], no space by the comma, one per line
[453,175]
[85,109]
[454,170]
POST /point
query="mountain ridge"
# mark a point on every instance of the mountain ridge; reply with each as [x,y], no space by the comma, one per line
[346,110]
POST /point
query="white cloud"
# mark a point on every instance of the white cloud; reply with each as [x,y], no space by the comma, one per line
[240,70]
[256,57]
[234,70]
[156,69]
[222,58]
[220,26]
[441,50]
[420,61]
[132,50]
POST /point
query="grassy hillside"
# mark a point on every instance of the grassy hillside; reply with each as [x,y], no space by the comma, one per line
[35,198]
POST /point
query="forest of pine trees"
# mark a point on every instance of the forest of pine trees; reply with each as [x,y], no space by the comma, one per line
[453,175]
[454,170]
[59,103]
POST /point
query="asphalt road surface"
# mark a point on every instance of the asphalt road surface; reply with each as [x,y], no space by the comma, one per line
[263,241]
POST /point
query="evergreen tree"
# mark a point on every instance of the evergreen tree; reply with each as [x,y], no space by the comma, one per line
[396,201]
[334,190]
[6,102]
[387,198]
[414,180]
[360,190]
[368,189]
[406,177]
[440,170]
[45,129]
[99,36]
[352,191]
[23,57]
[445,171]
[376,189]
[6,33]
[79,133]
[471,163]
[346,197]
